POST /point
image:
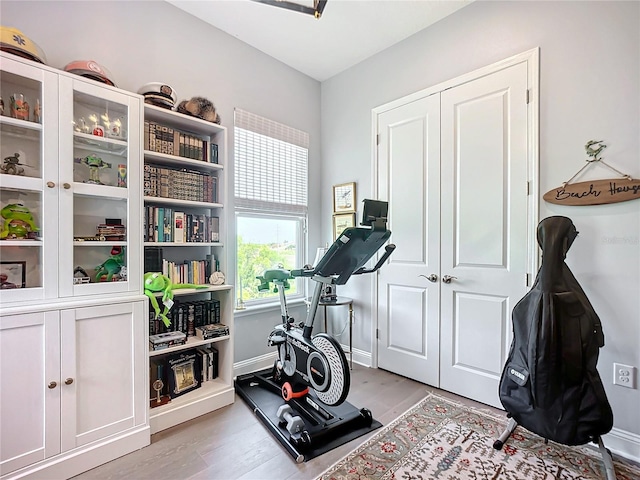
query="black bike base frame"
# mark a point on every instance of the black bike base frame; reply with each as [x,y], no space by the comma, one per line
[328,427]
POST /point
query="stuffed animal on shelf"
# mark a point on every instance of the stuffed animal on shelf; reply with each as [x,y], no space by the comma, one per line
[199,107]
[155,282]
[112,265]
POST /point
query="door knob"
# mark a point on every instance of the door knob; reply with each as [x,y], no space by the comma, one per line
[68,381]
[66,186]
[52,385]
[432,278]
[51,184]
[448,278]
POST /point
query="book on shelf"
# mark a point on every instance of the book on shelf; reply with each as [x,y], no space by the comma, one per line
[164,340]
[180,183]
[207,312]
[213,330]
[178,227]
[152,259]
[184,372]
[206,367]
[170,141]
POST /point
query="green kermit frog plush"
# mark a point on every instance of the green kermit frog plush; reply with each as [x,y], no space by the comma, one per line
[155,282]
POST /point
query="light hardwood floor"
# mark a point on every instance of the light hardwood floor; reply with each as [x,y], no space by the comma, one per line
[231,443]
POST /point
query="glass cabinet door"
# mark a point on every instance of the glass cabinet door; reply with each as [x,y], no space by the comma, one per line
[99,163]
[28,176]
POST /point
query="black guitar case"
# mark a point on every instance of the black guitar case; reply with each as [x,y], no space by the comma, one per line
[550,384]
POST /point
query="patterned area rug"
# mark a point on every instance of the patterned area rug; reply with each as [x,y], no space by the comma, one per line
[441,439]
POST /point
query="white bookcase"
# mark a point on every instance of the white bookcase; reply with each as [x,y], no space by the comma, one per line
[73,352]
[219,392]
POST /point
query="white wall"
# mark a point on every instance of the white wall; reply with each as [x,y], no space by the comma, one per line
[145,41]
[589,89]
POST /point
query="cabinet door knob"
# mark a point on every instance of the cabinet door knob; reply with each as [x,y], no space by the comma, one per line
[66,186]
[52,385]
[51,184]
[68,381]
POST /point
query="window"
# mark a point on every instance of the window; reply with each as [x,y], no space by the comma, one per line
[271,164]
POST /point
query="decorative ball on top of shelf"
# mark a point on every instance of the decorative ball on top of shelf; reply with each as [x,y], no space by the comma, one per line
[199,107]
[159,94]
[14,41]
[216,278]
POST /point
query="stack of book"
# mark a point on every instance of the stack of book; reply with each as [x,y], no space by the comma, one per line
[213,330]
[161,341]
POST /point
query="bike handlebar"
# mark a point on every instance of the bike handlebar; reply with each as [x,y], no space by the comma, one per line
[388,250]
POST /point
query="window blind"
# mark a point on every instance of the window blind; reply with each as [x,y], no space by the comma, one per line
[271,165]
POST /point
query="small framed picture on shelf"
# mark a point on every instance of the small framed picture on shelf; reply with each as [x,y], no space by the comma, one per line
[344,197]
[13,275]
[184,373]
[342,221]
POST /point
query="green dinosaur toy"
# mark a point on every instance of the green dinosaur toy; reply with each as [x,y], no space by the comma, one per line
[155,282]
[19,222]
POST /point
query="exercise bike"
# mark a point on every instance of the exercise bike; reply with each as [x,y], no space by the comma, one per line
[311,372]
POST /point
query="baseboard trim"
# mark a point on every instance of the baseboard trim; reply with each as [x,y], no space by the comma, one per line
[359,356]
[623,443]
[81,459]
[254,364]
[262,362]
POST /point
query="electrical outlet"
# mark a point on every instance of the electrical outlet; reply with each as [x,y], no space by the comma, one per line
[624,375]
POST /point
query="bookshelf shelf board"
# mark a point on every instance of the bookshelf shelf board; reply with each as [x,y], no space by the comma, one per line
[105,191]
[191,291]
[165,159]
[20,243]
[21,124]
[183,244]
[101,144]
[187,203]
[192,342]
[186,123]
[17,182]
[91,243]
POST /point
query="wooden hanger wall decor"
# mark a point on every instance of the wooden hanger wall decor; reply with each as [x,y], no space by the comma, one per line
[595,192]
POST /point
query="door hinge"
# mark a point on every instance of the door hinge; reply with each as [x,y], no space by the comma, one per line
[528,95]
[527,280]
[528,188]
[377,333]
[378,139]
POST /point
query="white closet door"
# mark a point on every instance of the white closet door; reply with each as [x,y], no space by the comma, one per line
[408,303]
[484,228]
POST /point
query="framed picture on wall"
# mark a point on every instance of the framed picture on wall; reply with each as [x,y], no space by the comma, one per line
[342,221]
[13,275]
[344,197]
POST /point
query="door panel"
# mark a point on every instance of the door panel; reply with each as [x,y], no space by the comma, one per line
[484,227]
[95,406]
[30,398]
[409,153]
[453,167]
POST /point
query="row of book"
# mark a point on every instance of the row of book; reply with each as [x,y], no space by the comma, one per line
[170,141]
[165,224]
[179,184]
[173,375]
[189,271]
[186,316]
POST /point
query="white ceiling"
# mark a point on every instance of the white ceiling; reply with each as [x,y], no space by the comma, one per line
[348,32]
